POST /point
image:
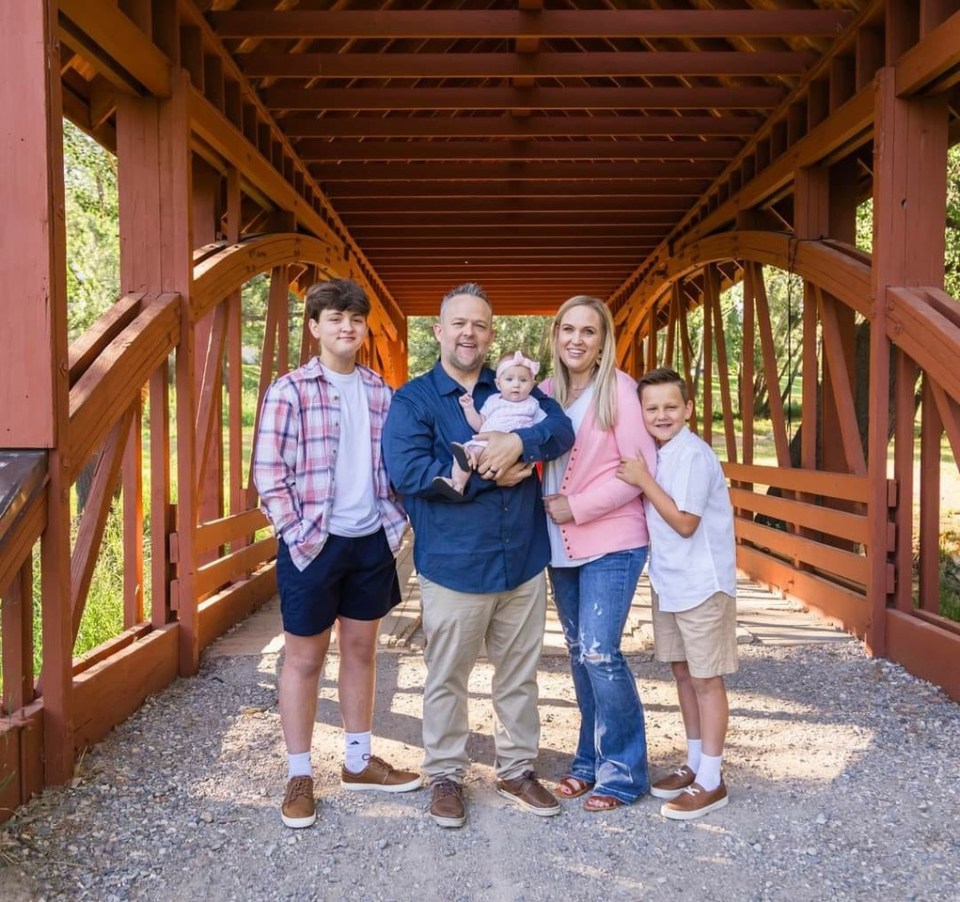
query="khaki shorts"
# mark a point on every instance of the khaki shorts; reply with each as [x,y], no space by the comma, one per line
[705,636]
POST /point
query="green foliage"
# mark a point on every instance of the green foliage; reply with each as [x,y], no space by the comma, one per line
[528,333]
[92,226]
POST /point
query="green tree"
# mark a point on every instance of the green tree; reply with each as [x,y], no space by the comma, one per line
[92,225]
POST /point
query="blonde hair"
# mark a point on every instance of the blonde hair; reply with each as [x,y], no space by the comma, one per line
[605,381]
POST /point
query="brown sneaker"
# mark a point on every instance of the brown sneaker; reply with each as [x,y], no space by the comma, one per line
[380,776]
[446,804]
[695,802]
[673,784]
[527,792]
[299,808]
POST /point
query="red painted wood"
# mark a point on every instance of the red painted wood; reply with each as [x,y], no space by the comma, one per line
[133,520]
[33,342]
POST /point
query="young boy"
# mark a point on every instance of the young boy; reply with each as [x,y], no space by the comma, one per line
[322,482]
[693,577]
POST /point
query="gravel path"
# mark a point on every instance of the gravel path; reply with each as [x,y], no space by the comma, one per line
[842,770]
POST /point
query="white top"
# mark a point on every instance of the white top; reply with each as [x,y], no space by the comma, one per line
[553,471]
[501,415]
[686,572]
[355,510]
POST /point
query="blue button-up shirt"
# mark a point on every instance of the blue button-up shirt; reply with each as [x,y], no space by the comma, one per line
[495,538]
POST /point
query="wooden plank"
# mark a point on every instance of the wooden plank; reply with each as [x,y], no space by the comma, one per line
[837,604]
[109,692]
[221,612]
[86,549]
[517,24]
[85,349]
[933,63]
[110,385]
[931,430]
[544,64]
[133,519]
[115,36]
[812,482]
[824,558]
[723,372]
[229,529]
[109,648]
[209,412]
[841,524]
[777,418]
[16,652]
[915,324]
[842,385]
[531,170]
[320,150]
[33,342]
[535,98]
[210,577]
[19,539]
[161,515]
[927,651]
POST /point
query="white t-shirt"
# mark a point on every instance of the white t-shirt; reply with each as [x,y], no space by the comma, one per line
[355,510]
[686,572]
[553,471]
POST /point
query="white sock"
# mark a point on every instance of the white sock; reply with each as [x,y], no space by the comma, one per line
[708,776]
[694,750]
[299,765]
[356,751]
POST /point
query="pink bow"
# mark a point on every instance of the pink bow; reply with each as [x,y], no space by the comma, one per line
[518,360]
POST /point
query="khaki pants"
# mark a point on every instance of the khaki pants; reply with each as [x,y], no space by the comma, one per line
[456,625]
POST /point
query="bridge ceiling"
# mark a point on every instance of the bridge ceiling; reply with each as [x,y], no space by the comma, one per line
[540,147]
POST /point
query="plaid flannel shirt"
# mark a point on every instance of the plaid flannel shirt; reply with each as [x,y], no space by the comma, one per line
[295,458]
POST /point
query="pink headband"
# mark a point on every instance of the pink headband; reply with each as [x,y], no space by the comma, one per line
[518,360]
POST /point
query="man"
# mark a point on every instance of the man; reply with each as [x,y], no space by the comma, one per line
[480,558]
[322,483]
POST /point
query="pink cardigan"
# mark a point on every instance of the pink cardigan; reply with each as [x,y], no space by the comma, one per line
[607,512]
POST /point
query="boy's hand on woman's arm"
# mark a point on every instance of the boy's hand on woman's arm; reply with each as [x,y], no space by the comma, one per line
[635,472]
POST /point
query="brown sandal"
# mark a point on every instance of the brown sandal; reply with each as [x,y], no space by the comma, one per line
[601,803]
[571,787]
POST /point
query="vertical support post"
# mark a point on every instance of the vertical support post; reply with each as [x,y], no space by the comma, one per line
[33,342]
[910,167]
[747,375]
[710,288]
[133,521]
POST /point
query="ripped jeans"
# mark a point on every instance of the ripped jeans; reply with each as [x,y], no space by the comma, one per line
[593,601]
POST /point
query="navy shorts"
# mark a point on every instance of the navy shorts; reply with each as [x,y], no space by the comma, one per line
[351,577]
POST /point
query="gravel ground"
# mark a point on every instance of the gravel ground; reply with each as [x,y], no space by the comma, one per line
[842,771]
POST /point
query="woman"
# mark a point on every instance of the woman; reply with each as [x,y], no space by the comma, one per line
[598,538]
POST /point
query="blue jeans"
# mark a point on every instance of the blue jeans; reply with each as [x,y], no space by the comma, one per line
[593,601]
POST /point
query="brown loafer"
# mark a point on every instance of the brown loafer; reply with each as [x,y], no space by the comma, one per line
[529,794]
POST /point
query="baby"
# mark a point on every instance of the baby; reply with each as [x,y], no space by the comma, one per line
[512,407]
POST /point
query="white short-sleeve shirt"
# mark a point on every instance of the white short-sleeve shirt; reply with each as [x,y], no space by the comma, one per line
[685,572]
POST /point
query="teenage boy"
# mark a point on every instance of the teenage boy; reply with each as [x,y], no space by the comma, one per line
[693,579]
[321,479]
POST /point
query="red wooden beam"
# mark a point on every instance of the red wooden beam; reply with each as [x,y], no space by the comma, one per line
[517,24]
[511,65]
[521,169]
[535,98]
[314,150]
[518,187]
[509,126]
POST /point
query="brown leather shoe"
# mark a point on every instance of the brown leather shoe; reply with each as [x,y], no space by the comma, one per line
[528,792]
[299,808]
[446,804]
[380,776]
[674,783]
